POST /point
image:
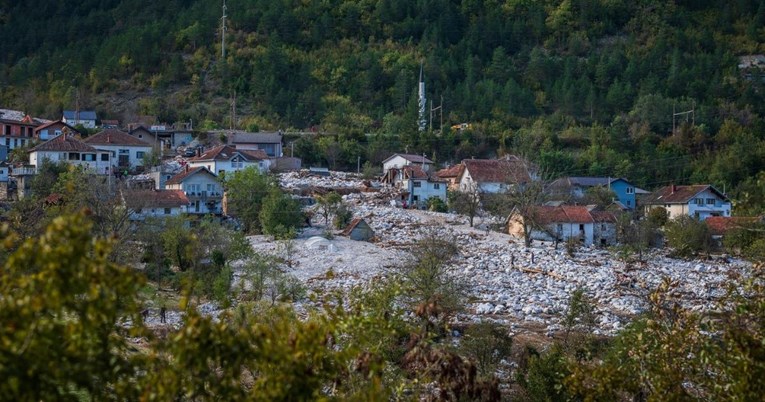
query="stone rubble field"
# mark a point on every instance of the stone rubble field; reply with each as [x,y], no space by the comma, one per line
[507,282]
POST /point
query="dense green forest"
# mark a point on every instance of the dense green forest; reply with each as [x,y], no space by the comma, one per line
[584,87]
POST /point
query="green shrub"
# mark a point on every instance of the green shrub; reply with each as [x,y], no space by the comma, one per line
[687,236]
[436,204]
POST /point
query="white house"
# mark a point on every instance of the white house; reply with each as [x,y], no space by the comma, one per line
[226,159]
[550,223]
[87,118]
[493,175]
[127,151]
[202,188]
[400,160]
[73,151]
[699,201]
[418,185]
[155,203]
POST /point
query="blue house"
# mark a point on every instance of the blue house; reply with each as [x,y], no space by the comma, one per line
[576,187]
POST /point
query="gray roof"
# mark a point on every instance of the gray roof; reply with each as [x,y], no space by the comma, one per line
[255,138]
[584,181]
[84,115]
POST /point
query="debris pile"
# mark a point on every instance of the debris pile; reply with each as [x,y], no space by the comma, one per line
[507,281]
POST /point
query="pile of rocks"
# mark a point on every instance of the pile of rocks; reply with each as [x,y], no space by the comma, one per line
[506,280]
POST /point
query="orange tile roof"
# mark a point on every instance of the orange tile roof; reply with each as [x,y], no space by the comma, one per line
[497,170]
[64,143]
[112,136]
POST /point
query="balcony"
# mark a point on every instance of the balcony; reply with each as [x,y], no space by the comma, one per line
[204,196]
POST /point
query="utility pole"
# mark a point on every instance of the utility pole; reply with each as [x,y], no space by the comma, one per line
[223,33]
[232,126]
[440,109]
[691,113]
[358,164]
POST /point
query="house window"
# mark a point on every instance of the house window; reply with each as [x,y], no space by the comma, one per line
[699,201]
[105,157]
[237,164]
[417,184]
[603,226]
[629,203]
[73,156]
[581,228]
[167,211]
[630,190]
[436,186]
[193,188]
[210,188]
[89,157]
[710,201]
[140,154]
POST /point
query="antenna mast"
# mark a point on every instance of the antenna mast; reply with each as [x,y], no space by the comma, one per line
[223,33]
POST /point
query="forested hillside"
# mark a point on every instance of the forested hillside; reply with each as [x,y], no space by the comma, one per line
[581,86]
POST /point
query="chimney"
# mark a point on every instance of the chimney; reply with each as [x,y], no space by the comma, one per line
[199,151]
[674,188]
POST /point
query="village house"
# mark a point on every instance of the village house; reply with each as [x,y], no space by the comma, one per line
[401,160]
[560,223]
[451,175]
[494,176]
[69,149]
[110,124]
[127,151]
[698,201]
[171,136]
[152,138]
[417,184]
[359,230]
[268,142]
[144,204]
[720,226]
[202,188]
[86,118]
[17,128]
[576,188]
[225,159]
[53,129]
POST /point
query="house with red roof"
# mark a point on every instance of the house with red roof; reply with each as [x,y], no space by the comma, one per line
[127,151]
[227,159]
[69,149]
[562,222]
[155,203]
[494,175]
[201,187]
[451,175]
[53,129]
[699,201]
